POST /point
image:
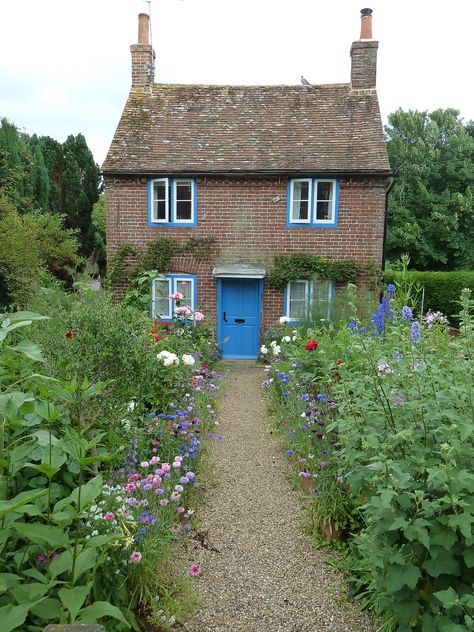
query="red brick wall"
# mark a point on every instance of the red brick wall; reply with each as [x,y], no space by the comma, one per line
[247,217]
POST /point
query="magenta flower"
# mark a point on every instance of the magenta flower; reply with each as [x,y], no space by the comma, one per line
[135,557]
[109,516]
[194,570]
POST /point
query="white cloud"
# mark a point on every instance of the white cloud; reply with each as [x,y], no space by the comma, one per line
[65,65]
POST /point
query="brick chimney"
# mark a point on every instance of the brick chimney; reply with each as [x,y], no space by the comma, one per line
[364,55]
[143,55]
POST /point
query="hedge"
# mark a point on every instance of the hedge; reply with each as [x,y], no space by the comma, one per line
[442,289]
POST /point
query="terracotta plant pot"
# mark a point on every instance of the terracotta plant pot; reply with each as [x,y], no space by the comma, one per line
[307,485]
[330,531]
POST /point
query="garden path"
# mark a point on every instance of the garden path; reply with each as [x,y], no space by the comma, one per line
[266,576]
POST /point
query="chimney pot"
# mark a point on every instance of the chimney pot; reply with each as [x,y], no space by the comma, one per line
[143,28]
[366,24]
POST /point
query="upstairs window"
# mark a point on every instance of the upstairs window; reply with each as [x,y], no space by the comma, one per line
[309,300]
[312,202]
[172,202]
[163,306]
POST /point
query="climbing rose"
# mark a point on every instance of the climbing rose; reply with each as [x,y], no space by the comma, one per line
[183,311]
[177,296]
[311,345]
[198,316]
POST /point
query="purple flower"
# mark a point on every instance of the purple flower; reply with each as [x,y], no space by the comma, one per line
[290,452]
[390,290]
[407,314]
[352,325]
[323,464]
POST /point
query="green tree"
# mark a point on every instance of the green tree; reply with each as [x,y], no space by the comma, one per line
[80,189]
[431,207]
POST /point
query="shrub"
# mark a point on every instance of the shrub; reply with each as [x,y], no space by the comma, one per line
[441,289]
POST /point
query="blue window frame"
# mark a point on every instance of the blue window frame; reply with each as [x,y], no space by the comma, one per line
[164,286]
[172,202]
[309,300]
[312,202]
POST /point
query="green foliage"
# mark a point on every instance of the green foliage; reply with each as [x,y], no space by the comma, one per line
[30,244]
[304,265]
[431,207]
[130,262]
[441,289]
[400,429]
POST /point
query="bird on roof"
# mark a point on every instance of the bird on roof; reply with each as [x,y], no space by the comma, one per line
[304,81]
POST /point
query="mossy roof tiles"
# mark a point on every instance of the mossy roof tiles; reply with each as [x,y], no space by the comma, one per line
[243,129]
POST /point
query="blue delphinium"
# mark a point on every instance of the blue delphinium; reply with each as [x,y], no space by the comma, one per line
[390,290]
[407,314]
[415,332]
[352,325]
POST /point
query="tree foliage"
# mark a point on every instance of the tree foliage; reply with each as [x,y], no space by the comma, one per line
[431,207]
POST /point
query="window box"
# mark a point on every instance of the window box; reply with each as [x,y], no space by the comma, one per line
[309,300]
[162,305]
[313,202]
[172,202]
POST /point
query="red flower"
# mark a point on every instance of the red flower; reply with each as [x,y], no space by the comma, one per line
[158,322]
[340,362]
[69,334]
[167,324]
[157,338]
[311,345]
[153,331]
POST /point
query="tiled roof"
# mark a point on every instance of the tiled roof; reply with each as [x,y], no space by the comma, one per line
[241,129]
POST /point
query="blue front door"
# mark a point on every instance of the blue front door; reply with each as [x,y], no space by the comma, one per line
[239,317]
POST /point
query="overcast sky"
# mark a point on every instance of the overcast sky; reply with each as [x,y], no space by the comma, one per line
[65,64]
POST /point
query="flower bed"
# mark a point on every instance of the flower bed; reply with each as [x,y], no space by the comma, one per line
[100,446]
[379,418]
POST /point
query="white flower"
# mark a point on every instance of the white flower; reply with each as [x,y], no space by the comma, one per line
[286,339]
[163,354]
[188,360]
[263,350]
[273,343]
[171,359]
[276,350]
[384,369]
[284,319]
[131,406]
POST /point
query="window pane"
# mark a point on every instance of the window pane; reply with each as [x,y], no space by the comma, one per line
[160,209]
[297,300]
[186,289]
[322,299]
[183,190]
[300,207]
[160,200]
[297,290]
[324,190]
[162,300]
[183,210]
[297,310]
[322,210]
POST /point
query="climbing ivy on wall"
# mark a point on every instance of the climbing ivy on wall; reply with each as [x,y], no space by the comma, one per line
[130,261]
[303,265]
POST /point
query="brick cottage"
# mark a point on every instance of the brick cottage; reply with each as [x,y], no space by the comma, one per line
[263,171]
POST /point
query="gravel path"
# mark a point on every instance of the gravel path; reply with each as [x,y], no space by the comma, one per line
[266,575]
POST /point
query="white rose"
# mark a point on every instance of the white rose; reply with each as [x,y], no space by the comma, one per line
[276,350]
[286,339]
[188,360]
[171,359]
[263,350]
[273,343]
[163,354]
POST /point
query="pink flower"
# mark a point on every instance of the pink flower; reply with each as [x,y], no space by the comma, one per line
[164,502]
[183,311]
[177,465]
[144,464]
[166,467]
[154,460]
[175,496]
[130,487]
[194,570]
[135,557]
[177,296]
[198,316]
[109,516]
